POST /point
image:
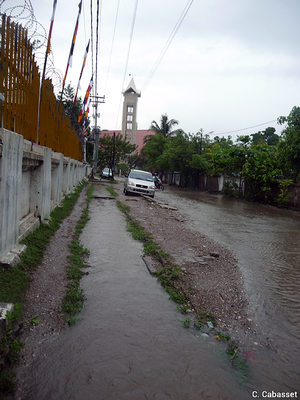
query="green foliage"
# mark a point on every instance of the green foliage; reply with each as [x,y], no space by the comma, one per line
[186,322]
[124,167]
[123,207]
[74,298]
[268,136]
[114,149]
[186,153]
[228,160]
[223,142]
[153,150]
[165,126]
[203,318]
[111,191]
[261,170]
[289,146]
[14,282]
[284,194]
[223,337]
[257,158]
[72,111]
[231,189]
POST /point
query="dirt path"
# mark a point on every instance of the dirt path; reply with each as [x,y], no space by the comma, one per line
[47,289]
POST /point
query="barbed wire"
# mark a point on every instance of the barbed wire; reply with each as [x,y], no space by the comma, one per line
[23,14]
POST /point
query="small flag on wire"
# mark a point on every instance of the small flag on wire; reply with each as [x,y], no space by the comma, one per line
[83,65]
[87,113]
[86,99]
[51,26]
[72,46]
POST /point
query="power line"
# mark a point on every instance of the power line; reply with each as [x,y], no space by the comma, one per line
[97,48]
[128,53]
[92,41]
[112,45]
[167,45]
[111,50]
[244,129]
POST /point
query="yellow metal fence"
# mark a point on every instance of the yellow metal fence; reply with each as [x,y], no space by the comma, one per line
[20,84]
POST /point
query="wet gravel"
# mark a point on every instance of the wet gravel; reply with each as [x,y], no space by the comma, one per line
[212,277]
[211,274]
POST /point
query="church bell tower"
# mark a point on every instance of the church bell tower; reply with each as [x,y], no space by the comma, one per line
[129,124]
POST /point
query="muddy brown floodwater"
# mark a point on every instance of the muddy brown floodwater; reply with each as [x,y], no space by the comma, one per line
[266,242]
[130,342]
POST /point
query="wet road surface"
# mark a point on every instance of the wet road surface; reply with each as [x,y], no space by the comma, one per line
[266,242]
[129,342]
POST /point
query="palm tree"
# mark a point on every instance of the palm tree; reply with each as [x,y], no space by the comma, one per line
[165,126]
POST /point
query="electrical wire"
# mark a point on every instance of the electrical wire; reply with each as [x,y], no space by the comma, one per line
[92,41]
[128,54]
[112,45]
[96,67]
[83,12]
[111,51]
[244,129]
[168,43]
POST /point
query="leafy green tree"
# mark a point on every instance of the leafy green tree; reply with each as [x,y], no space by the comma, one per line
[268,136]
[153,149]
[72,111]
[187,154]
[244,140]
[114,149]
[289,146]
[257,137]
[165,126]
[223,142]
[260,170]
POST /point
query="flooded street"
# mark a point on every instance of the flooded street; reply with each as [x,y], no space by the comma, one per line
[129,342]
[266,242]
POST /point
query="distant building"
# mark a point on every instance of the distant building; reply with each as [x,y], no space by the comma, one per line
[140,135]
[129,122]
[129,118]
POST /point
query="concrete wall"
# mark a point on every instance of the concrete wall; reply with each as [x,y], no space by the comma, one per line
[33,181]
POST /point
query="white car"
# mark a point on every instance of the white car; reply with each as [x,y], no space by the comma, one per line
[107,173]
[139,182]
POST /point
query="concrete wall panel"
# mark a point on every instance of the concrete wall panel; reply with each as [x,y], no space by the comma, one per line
[10,190]
[33,180]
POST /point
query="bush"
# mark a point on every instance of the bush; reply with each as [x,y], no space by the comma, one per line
[231,189]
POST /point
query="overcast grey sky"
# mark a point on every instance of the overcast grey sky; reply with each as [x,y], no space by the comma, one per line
[232,64]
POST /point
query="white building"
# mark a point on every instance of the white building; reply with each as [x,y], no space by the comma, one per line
[129,123]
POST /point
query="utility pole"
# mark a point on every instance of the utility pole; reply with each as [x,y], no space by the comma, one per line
[96,131]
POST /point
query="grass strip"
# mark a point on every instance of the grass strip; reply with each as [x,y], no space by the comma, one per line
[111,191]
[14,280]
[170,273]
[171,278]
[74,298]
[14,283]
